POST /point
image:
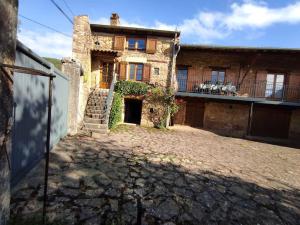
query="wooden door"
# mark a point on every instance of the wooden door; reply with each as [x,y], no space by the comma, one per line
[270,121]
[106,71]
[194,113]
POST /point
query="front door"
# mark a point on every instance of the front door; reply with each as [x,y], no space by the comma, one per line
[106,71]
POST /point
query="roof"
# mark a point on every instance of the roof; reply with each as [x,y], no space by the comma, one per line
[238,48]
[133,30]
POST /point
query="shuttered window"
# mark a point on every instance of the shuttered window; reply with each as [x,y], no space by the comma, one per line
[136,44]
[147,72]
[136,71]
[119,43]
[151,46]
[122,70]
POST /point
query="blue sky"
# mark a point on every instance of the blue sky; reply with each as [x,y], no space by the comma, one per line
[273,23]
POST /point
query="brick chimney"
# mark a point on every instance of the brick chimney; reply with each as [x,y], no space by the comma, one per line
[114,19]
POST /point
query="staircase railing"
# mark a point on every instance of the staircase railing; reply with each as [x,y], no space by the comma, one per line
[110,97]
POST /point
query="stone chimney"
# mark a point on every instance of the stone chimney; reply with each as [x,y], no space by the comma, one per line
[114,19]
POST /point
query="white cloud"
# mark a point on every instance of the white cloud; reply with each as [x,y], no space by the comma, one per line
[47,43]
[207,26]
[258,15]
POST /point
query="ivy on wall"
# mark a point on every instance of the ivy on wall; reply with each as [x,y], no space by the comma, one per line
[115,116]
[160,101]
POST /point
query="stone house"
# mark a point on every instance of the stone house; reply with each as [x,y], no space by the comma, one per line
[136,54]
[233,91]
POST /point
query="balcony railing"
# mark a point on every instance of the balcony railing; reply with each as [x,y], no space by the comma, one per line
[261,89]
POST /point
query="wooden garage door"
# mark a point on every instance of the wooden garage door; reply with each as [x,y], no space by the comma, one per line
[270,121]
[194,113]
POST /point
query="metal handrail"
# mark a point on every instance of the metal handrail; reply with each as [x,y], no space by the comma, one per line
[259,89]
[110,97]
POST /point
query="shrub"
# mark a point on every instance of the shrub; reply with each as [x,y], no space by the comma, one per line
[116,111]
[131,88]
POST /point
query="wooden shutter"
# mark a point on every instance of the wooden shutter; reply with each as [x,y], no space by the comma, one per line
[119,43]
[191,79]
[122,70]
[151,46]
[146,72]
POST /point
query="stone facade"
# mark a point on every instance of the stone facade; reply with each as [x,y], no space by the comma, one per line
[92,47]
[8,24]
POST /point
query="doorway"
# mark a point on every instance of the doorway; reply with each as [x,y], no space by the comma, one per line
[269,121]
[106,72]
[133,111]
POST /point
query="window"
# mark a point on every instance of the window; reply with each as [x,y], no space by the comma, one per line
[217,76]
[274,85]
[182,75]
[136,71]
[136,44]
[156,71]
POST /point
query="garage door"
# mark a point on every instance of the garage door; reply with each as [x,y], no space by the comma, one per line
[270,121]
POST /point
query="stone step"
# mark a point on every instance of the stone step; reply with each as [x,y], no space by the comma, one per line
[95,116]
[96,105]
[93,120]
[97,131]
[95,126]
[95,111]
[96,102]
[93,107]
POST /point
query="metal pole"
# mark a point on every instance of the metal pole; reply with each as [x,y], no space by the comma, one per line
[47,149]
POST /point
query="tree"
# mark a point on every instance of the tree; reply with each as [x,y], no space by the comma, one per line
[8,27]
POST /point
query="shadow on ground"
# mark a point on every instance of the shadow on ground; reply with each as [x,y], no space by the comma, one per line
[99,182]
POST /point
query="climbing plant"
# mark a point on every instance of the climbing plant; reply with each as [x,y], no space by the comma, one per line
[161,102]
[115,116]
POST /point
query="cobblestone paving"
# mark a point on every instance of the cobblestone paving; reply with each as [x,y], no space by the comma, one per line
[184,176]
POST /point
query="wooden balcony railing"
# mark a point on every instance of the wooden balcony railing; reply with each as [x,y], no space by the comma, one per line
[262,89]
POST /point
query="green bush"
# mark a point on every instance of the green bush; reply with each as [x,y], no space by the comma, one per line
[131,88]
[116,111]
[161,100]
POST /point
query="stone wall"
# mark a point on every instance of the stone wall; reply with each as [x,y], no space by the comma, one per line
[161,59]
[226,118]
[8,24]
[294,133]
[81,48]
[74,71]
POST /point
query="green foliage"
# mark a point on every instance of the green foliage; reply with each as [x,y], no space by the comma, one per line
[116,111]
[55,62]
[131,88]
[162,101]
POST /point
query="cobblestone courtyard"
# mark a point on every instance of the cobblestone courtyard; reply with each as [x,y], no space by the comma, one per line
[144,176]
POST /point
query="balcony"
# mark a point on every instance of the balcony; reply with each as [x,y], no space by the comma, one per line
[262,90]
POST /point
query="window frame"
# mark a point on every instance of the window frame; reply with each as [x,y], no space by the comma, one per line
[182,83]
[136,45]
[271,92]
[218,70]
[136,69]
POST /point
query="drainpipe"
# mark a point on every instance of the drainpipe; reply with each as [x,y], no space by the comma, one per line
[250,119]
[173,62]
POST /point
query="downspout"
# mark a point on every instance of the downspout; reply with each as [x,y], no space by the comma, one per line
[173,62]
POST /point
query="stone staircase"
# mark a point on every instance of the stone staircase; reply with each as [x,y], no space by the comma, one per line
[95,117]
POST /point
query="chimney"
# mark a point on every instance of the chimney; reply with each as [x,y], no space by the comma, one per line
[114,19]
